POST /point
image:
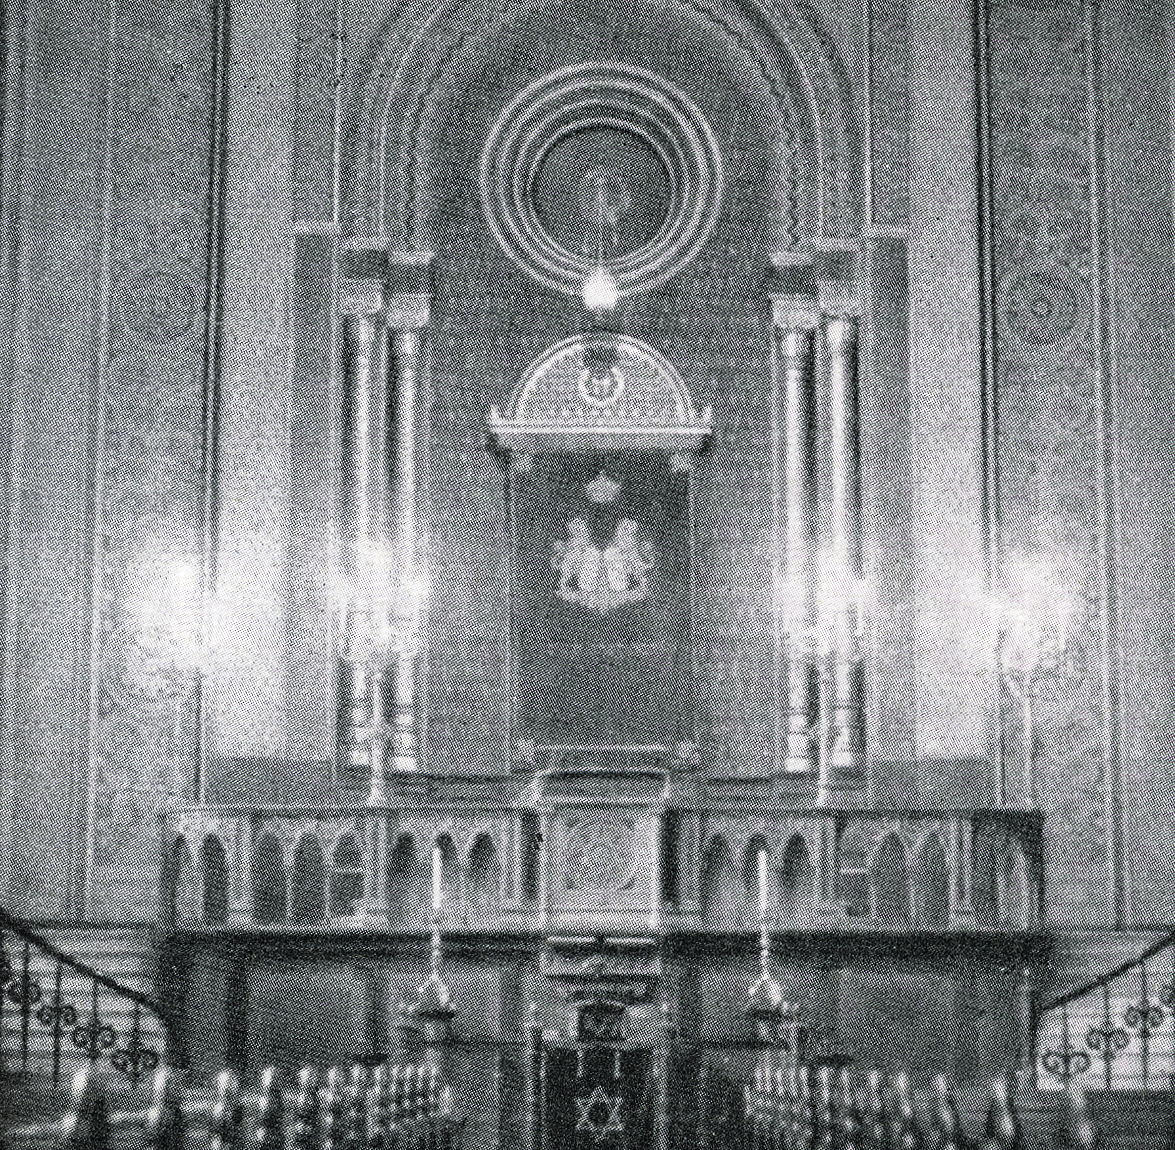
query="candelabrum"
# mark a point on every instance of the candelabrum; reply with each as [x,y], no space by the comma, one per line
[774,1018]
[171,648]
[1032,641]
[826,653]
[434,1008]
[383,638]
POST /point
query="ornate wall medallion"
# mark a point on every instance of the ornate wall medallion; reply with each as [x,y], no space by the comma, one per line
[600,856]
[1041,306]
[601,164]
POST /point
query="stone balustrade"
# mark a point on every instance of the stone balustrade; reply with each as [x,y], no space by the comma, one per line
[601,869]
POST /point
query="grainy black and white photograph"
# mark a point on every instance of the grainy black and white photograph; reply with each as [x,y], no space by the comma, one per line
[587,574]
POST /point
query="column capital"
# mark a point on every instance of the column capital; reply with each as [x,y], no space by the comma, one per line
[362,272]
[409,290]
[407,311]
[835,266]
[841,330]
[794,313]
[360,297]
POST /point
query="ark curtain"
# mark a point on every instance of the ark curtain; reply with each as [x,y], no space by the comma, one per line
[602,600]
[598,1099]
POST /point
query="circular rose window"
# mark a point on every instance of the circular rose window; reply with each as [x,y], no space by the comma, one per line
[601,165]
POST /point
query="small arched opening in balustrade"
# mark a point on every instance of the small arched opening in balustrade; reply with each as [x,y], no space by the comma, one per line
[346,878]
[756,846]
[719,885]
[270,887]
[308,882]
[184,886]
[1014,892]
[214,866]
[985,883]
[932,884]
[797,884]
[483,885]
[890,879]
[406,881]
[853,885]
[450,874]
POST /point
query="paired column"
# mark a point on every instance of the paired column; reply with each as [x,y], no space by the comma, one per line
[383,585]
[821,587]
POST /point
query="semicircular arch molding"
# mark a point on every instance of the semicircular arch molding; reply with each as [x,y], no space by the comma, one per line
[422,53]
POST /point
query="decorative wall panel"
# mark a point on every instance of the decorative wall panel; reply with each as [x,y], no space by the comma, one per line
[602,600]
[150,494]
[47,634]
[1048,348]
[109,464]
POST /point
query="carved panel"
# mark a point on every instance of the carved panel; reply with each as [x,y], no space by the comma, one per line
[599,856]
[149,529]
[1051,481]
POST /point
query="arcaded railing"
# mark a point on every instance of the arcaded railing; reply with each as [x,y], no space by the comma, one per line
[524,870]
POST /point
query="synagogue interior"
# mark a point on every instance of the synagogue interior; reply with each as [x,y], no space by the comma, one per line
[592,576]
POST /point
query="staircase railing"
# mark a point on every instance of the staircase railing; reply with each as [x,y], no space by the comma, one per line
[1118,1031]
[33,973]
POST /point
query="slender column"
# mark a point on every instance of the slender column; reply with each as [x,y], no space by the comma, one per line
[662,1066]
[240,885]
[408,314]
[364,403]
[375,904]
[795,357]
[845,761]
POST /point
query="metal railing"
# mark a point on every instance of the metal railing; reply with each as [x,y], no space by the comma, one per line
[1118,1031]
[38,999]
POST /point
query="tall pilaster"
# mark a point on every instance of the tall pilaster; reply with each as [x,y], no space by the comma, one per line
[845,760]
[795,321]
[954,681]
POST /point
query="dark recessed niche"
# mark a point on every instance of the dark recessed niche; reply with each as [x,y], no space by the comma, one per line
[602,191]
[601,163]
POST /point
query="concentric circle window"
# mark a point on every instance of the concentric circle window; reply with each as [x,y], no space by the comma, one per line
[601,165]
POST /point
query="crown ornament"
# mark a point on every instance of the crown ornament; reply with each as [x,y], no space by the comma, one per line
[603,489]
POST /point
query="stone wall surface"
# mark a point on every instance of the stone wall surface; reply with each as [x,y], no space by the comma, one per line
[1081,225]
[105,546]
[107,197]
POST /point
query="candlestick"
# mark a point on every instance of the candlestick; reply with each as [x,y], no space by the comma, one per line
[1032,635]
[436,879]
[762,859]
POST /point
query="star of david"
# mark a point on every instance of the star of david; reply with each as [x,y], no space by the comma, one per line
[599,1114]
